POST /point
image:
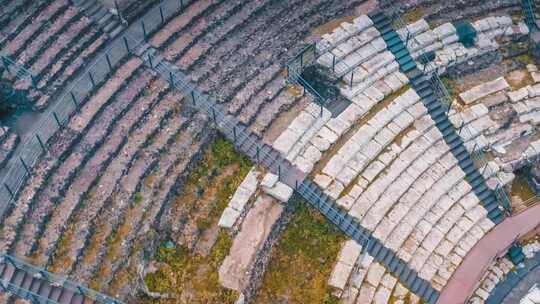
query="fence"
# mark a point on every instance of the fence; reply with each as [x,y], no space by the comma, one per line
[306,57]
[16,69]
[52,279]
[73,97]
[259,152]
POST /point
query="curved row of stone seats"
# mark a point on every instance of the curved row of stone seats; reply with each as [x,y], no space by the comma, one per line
[52,40]
[369,141]
[444,41]
[472,124]
[358,53]
[452,183]
[73,141]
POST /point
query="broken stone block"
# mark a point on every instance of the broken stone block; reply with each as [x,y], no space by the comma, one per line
[518,95]
[280,191]
[228,218]
[235,270]
[484,90]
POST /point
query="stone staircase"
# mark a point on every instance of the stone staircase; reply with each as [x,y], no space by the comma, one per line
[374,247]
[437,110]
[102,16]
[39,286]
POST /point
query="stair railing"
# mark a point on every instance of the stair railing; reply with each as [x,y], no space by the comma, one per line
[56,280]
[446,98]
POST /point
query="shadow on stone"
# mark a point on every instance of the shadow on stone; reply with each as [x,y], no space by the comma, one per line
[322,82]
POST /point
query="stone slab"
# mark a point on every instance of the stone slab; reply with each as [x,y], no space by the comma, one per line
[484,90]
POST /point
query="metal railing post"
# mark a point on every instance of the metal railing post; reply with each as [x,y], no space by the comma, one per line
[171,78]
[144,30]
[126,43]
[108,61]
[150,60]
[161,14]
[74,99]
[91,79]
[26,168]
[41,143]
[57,120]
[11,194]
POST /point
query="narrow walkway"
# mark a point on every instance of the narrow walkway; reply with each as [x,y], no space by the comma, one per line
[465,279]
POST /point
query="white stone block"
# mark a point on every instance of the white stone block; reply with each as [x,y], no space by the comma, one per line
[484,90]
[228,218]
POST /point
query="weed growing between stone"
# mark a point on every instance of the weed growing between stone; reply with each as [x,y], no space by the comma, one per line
[301,263]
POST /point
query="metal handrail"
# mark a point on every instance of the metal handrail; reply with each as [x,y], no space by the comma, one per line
[444,96]
[57,280]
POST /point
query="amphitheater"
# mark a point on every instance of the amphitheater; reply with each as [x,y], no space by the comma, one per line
[258,151]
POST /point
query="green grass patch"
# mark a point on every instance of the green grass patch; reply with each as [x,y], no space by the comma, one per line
[413,15]
[187,276]
[302,261]
[525,59]
[190,278]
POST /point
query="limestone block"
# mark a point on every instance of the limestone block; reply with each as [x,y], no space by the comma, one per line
[347,175]
[312,154]
[378,44]
[426,38]
[375,274]
[334,166]
[534,90]
[269,180]
[322,180]
[363,22]
[335,189]
[338,126]
[444,30]
[350,251]
[374,94]
[235,269]
[320,143]
[418,27]
[382,295]
[366,294]
[483,90]
[285,142]
[280,191]
[535,76]
[346,202]
[340,275]
[228,218]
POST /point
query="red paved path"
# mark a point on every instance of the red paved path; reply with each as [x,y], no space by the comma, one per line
[464,280]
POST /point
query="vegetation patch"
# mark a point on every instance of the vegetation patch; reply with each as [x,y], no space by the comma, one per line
[190,275]
[301,263]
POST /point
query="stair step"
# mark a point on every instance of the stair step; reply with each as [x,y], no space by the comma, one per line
[55,293]
[45,290]
[99,14]
[112,25]
[88,5]
[66,296]
[105,19]
[18,277]
[77,299]
[92,10]
[408,67]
